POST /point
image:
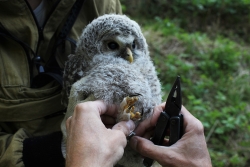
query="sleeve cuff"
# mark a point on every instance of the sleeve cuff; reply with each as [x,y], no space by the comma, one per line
[43,151]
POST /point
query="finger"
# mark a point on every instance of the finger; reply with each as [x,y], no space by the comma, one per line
[157,111]
[147,124]
[125,127]
[143,127]
[148,134]
[68,122]
[147,149]
[97,107]
[187,114]
[189,120]
[104,108]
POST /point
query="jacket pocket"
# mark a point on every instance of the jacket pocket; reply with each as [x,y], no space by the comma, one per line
[14,68]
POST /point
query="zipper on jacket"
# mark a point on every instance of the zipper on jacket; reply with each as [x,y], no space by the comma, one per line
[37,59]
[39,29]
[40,32]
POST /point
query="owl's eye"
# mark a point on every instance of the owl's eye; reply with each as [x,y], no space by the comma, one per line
[113,45]
[133,45]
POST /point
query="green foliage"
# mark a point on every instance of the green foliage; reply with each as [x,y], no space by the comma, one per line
[161,7]
[212,16]
[124,8]
[215,81]
[206,42]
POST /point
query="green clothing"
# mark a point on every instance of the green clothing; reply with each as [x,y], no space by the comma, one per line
[26,111]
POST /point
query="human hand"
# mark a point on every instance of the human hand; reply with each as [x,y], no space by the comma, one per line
[190,151]
[89,142]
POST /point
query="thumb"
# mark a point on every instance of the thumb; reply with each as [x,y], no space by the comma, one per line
[125,127]
[147,148]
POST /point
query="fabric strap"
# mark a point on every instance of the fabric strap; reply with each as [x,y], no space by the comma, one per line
[56,73]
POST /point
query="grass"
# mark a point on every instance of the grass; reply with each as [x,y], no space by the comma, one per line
[206,42]
[215,84]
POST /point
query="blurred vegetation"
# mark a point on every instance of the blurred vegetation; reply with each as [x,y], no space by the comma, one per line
[206,42]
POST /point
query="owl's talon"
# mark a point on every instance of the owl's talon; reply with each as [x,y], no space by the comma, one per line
[128,108]
[135,116]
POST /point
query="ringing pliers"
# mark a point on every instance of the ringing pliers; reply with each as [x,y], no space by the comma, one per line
[170,119]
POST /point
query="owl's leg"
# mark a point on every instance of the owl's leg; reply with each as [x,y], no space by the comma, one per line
[127,109]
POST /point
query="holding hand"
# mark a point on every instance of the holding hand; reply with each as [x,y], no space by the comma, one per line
[191,150]
[89,142]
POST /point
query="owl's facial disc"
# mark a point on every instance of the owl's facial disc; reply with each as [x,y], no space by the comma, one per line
[120,45]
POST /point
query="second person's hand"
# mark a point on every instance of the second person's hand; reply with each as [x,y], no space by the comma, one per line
[190,151]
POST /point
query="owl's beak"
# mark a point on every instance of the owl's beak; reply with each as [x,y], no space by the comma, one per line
[129,55]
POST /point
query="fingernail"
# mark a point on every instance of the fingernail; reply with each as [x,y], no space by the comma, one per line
[131,125]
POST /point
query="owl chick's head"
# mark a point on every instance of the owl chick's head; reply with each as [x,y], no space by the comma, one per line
[112,37]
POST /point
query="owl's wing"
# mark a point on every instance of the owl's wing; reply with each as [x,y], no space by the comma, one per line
[150,75]
[71,74]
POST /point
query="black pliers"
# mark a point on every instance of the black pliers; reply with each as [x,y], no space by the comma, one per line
[170,119]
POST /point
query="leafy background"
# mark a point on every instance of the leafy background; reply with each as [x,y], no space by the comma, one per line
[206,42]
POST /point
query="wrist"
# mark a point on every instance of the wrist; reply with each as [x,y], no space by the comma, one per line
[84,160]
[88,156]
[79,162]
